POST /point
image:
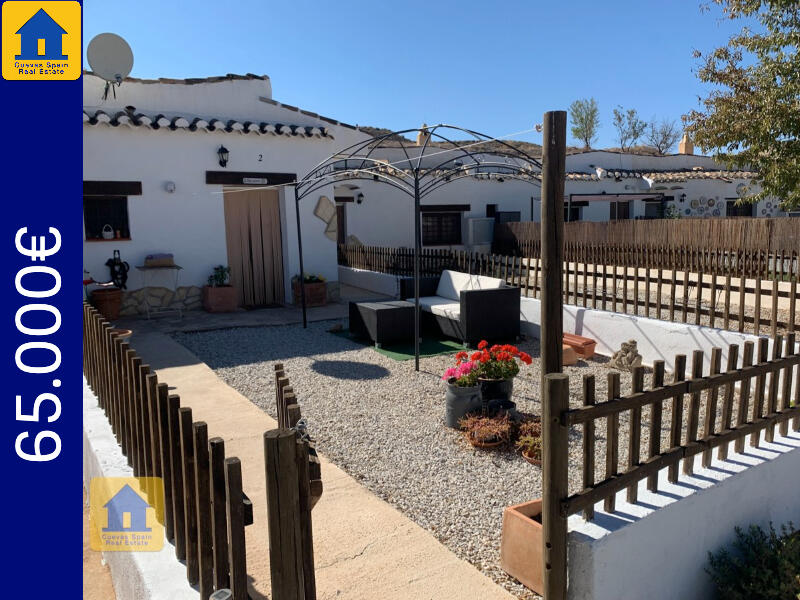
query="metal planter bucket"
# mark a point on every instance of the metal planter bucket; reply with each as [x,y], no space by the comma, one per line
[459,401]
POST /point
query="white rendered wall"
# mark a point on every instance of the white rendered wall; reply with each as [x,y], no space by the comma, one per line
[386,216]
[135,575]
[380,283]
[190,222]
[658,548]
[656,340]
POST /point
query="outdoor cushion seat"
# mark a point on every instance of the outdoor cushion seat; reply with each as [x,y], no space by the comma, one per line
[443,307]
[468,307]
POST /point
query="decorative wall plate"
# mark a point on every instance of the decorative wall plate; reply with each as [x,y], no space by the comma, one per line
[695,203]
[711,202]
[716,212]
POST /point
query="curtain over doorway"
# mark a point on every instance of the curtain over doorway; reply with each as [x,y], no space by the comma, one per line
[255,256]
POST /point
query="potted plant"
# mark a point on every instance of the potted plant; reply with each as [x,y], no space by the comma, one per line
[498,366]
[463,394]
[530,442]
[219,295]
[521,544]
[486,432]
[315,288]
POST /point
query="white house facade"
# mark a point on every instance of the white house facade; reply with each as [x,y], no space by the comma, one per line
[153,182]
[200,169]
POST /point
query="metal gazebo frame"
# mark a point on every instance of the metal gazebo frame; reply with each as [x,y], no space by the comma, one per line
[459,159]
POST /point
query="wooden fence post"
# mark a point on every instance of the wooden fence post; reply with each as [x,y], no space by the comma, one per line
[162,403]
[552,237]
[178,512]
[203,509]
[555,457]
[189,502]
[219,518]
[237,557]
[284,515]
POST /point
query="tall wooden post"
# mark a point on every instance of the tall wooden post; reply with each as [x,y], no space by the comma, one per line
[555,457]
[552,236]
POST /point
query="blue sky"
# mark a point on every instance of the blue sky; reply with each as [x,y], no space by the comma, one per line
[494,67]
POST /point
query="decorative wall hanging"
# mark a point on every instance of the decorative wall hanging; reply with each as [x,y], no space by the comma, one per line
[325,211]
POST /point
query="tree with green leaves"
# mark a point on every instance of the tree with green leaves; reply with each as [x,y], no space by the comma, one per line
[629,127]
[585,118]
[751,119]
[663,135]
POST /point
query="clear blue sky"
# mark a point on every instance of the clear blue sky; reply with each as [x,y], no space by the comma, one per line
[490,66]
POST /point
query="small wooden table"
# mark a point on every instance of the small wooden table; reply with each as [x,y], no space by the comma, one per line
[383,321]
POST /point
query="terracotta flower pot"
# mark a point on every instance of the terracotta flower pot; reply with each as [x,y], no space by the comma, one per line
[316,293]
[521,544]
[531,460]
[481,444]
[108,301]
[219,299]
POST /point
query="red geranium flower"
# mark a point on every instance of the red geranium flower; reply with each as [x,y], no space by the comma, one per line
[475,356]
[482,344]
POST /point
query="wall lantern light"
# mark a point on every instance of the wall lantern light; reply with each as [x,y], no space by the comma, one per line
[359,198]
[683,197]
[223,156]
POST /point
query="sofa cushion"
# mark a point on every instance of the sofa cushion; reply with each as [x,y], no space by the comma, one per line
[443,307]
[451,283]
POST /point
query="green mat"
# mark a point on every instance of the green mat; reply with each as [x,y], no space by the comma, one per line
[405,350]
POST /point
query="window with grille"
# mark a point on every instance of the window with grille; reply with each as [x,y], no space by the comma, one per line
[620,210]
[441,229]
[99,211]
[741,210]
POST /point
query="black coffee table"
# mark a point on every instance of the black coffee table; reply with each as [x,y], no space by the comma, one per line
[383,321]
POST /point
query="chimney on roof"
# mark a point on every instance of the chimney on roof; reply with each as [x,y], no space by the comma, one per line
[685,146]
[423,135]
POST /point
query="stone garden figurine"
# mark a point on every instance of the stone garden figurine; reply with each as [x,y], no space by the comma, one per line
[627,357]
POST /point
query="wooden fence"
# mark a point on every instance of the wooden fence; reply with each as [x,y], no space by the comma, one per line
[767,235]
[707,286]
[717,414]
[205,510]
[294,485]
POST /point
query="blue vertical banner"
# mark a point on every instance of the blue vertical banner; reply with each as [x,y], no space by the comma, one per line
[41,157]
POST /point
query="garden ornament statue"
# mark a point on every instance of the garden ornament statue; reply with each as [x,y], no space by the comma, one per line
[627,357]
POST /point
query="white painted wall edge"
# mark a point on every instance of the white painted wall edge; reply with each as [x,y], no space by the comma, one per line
[381,283]
[656,340]
[658,548]
[136,575]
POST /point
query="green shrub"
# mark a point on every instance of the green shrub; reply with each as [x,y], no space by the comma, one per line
[760,566]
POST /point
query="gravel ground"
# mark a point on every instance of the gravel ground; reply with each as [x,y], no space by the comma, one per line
[383,423]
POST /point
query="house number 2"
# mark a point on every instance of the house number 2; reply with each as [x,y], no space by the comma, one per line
[260,157]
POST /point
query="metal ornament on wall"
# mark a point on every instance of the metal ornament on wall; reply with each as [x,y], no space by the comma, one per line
[325,211]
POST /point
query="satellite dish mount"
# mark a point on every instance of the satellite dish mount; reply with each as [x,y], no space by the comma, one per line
[111,58]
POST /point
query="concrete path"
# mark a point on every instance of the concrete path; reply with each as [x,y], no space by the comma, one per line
[364,548]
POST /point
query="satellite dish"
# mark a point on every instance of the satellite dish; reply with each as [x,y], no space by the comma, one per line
[111,58]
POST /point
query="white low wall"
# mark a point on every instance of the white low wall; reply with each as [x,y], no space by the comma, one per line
[656,340]
[381,283]
[658,548]
[136,575]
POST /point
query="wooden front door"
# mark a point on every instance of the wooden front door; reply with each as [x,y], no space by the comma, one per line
[255,255]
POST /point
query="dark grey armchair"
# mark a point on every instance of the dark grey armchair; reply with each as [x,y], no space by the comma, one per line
[467,307]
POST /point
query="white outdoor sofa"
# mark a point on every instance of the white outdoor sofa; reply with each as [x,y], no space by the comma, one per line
[468,307]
